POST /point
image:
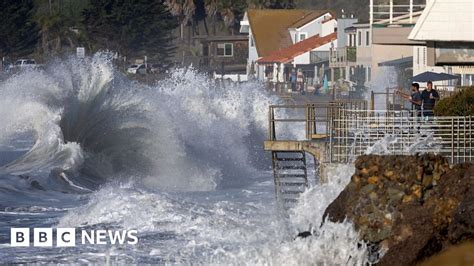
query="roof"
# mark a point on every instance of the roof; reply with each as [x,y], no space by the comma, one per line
[310,17]
[287,54]
[240,37]
[270,27]
[445,20]
[361,24]
[398,62]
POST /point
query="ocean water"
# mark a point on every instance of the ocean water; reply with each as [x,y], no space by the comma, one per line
[181,162]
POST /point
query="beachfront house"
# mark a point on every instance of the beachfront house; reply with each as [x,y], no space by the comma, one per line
[446,33]
[282,42]
[352,58]
[225,57]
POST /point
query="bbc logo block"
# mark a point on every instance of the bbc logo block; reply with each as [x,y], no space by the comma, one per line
[43,237]
[66,237]
[20,237]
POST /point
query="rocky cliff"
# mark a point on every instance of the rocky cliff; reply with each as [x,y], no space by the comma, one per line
[410,207]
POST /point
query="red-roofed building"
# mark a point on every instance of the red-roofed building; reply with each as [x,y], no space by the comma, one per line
[286,41]
[292,52]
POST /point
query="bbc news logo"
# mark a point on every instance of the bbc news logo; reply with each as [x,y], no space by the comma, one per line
[66,237]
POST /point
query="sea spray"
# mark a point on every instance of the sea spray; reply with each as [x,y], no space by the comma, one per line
[180,161]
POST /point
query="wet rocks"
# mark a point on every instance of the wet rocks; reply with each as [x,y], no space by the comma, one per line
[413,206]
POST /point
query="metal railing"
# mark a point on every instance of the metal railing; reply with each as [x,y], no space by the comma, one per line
[396,103]
[392,11]
[350,129]
[316,117]
[343,56]
[400,132]
[447,91]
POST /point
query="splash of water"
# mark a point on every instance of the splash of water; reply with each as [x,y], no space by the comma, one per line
[385,78]
[93,124]
[202,230]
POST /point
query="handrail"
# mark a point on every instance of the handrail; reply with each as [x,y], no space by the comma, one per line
[314,114]
[350,129]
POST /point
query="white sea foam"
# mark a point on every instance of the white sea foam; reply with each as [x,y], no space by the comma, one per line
[202,230]
[181,162]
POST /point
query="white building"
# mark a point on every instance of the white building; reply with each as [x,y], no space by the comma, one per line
[280,39]
[446,27]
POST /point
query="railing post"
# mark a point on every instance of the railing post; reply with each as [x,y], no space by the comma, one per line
[372,101]
[371,11]
[411,11]
[452,140]
[391,12]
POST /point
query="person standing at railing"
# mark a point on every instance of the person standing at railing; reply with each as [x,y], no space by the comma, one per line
[429,97]
[415,99]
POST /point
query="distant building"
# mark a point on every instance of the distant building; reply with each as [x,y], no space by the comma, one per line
[281,41]
[390,44]
[446,32]
[225,56]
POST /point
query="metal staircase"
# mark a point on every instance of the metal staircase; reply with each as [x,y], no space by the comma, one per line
[291,178]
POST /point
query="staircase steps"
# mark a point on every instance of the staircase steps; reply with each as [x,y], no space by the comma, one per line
[291,178]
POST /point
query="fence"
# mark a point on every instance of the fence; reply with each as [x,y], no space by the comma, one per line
[350,130]
[315,117]
[400,132]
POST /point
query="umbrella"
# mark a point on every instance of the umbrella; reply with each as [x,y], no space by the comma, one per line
[325,83]
[432,76]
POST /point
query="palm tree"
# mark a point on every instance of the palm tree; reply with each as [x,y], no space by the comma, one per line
[211,7]
[184,9]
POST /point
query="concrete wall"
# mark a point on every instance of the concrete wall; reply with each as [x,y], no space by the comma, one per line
[392,35]
[342,24]
[364,50]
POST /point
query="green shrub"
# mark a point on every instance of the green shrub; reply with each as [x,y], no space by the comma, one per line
[460,104]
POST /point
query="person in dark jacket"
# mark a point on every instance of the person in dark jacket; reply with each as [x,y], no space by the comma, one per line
[415,98]
[429,97]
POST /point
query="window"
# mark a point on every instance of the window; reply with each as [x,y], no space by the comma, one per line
[367,38]
[252,44]
[417,56]
[424,56]
[225,49]
[359,38]
[303,36]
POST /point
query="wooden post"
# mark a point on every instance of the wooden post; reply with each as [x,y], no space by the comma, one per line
[332,84]
[372,101]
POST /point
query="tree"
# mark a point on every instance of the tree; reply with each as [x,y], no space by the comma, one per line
[131,27]
[60,23]
[18,30]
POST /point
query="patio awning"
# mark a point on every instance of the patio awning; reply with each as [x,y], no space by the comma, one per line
[404,61]
[432,76]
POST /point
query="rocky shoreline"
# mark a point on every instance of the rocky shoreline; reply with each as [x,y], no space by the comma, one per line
[409,207]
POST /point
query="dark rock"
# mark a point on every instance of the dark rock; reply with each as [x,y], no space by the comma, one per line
[414,206]
[304,234]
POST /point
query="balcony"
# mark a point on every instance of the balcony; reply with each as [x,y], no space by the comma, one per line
[342,57]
